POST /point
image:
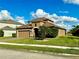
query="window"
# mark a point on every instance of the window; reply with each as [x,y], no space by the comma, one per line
[35,24]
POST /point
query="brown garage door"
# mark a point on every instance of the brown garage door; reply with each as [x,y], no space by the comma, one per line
[23,34]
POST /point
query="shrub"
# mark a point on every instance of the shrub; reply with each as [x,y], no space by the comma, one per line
[75,31]
[1,33]
[42,32]
[49,32]
[52,32]
[14,35]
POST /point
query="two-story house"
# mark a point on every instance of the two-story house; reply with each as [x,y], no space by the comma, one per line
[26,31]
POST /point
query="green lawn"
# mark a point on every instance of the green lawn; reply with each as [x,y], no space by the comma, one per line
[5,37]
[40,49]
[59,41]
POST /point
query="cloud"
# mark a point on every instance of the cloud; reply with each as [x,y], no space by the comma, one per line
[0,17]
[39,13]
[59,20]
[72,1]
[68,18]
[4,14]
[20,19]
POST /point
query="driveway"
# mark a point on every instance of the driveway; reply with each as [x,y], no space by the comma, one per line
[11,54]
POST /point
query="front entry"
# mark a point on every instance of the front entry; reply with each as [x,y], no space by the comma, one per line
[36,32]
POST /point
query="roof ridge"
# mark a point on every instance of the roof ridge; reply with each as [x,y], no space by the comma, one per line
[8,28]
[10,22]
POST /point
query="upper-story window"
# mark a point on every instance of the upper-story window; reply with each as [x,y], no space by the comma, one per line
[44,22]
[35,24]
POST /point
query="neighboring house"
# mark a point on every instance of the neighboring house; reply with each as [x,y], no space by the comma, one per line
[9,27]
[26,31]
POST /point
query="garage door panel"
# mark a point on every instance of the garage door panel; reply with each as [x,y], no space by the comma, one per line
[23,34]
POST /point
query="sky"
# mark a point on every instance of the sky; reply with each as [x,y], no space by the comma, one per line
[64,13]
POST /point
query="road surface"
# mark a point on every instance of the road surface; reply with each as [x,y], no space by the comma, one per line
[11,54]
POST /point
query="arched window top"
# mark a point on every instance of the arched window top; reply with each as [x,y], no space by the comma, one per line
[35,24]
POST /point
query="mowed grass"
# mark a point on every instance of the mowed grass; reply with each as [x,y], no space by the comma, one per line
[2,38]
[69,41]
[40,49]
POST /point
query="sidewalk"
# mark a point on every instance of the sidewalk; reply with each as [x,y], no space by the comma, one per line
[37,45]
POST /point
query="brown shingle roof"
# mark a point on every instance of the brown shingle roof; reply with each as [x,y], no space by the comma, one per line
[10,22]
[8,28]
[28,26]
[41,19]
[48,24]
[56,26]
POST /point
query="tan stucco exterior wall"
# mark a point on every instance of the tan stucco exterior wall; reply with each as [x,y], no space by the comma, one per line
[38,24]
[61,32]
[45,23]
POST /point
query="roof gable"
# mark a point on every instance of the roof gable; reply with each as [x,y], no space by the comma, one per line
[8,28]
[27,26]
[41,19]
[10,22]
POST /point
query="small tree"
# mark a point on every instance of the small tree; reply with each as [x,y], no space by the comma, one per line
[75,30]
[1,33]
[49,32]
[42,32]
[52,32]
